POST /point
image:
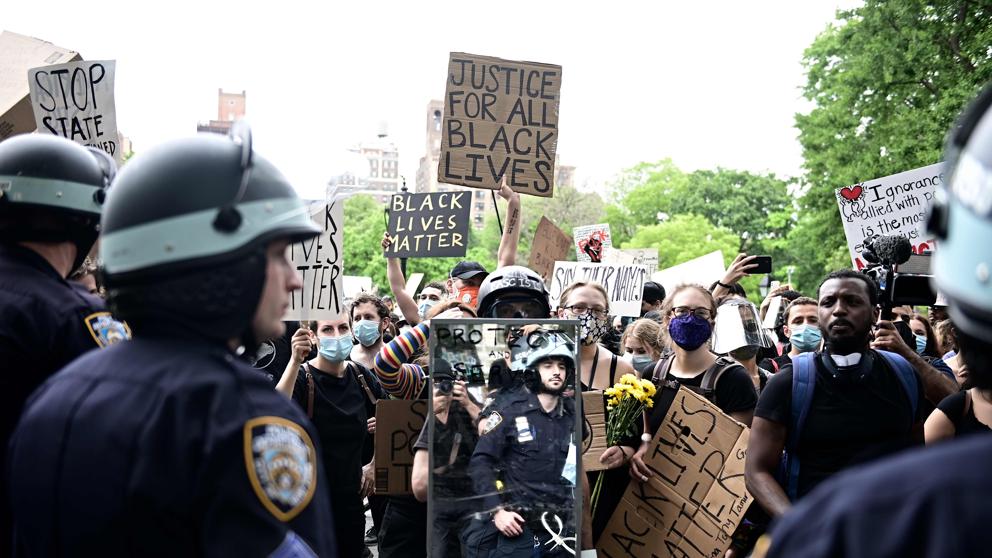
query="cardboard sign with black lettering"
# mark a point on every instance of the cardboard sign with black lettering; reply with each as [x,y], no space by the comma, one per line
[500,119]
[550,245]
[76,101]
[696,498]
[623,282]
[891,205]
[320,263]
[594,415]
[397,427]
[429,225]
[20,54]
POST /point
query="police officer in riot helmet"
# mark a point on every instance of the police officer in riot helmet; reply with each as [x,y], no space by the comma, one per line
[513,292]
[170,444]
[51,194]
[941,493]
[530,438]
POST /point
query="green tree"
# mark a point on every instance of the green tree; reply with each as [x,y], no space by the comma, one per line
[887,80]
[364,226]
[684,237]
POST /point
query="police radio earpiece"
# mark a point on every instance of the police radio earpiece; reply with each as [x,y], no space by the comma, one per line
[228,217]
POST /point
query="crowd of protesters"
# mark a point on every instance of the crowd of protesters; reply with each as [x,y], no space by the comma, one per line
[219,429]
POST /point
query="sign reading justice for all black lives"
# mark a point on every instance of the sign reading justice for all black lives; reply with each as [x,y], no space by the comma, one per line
[429,225]
[500,118]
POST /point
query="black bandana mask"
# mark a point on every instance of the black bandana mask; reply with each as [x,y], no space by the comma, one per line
[591,328]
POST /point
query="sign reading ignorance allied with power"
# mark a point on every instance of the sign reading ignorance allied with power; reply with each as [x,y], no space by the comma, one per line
[500,119]
[429,225]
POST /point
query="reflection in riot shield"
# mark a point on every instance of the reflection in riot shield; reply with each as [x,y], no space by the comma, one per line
[503,438]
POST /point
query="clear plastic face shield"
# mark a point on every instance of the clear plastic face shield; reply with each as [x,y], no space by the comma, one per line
[737,326]
[504,433]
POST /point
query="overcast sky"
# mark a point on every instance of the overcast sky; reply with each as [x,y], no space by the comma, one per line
[705,83]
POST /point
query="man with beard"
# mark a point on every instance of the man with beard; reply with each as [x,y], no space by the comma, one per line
[531,440]
[931,502]
[864,403]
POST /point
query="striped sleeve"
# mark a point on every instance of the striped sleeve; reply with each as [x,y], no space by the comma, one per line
[399,378]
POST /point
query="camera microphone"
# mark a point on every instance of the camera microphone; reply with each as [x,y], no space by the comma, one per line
[888,250]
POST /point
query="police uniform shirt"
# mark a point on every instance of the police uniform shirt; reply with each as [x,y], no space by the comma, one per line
[45,322]
[930,502]
[166,447]
[850,419]
[530,447]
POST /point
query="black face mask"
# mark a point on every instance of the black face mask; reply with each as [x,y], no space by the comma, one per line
[744,353]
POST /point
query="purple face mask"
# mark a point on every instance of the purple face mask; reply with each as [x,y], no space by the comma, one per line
[690,332]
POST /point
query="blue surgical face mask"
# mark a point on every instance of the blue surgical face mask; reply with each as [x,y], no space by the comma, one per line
[424,307]
[336,349]
[367,332]
[805,338]
[921,343]
[641,362]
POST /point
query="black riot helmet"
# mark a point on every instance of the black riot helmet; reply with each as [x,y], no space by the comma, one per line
[52,190]
[513,292]
[961,220]
[185,233]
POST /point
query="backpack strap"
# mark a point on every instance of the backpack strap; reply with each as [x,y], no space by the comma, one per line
[907,377]
[661,369]
[711,377]
[360,377]
[613,369]
[803,384]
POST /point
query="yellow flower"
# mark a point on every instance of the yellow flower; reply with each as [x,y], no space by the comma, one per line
[638,394]
[629,379]
[648,387]
[610,392]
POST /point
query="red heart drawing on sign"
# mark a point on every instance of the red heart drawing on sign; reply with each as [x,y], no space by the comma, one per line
[851,193]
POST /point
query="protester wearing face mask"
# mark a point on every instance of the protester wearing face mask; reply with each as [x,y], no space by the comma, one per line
[802,326]
[335,393]
[689,314]
[642,344]
[926,344]
[589,303]
[463,282]
[738,333]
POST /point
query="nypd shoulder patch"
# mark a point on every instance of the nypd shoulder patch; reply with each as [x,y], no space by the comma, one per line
[105,329]
[492,422]
[282,465]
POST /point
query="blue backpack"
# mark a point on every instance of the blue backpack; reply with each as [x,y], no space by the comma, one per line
[803,383]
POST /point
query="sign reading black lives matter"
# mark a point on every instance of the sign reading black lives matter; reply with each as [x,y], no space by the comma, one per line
[320,264]
[500,118]
[429,225]
[76,101]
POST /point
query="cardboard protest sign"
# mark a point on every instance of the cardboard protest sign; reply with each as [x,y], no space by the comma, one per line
[320,262]
[648,257]
[397,426]
[500,119]
[591,242]
[20,54]
[892,205]
[702,270]
[594,415]
[623,282]
[429,225]
[696,498]
[76,101]
[550,245]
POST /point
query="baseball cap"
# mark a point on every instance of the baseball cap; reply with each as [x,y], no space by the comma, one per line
[467,270]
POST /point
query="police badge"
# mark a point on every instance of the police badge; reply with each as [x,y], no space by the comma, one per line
[282,465]
[106,330]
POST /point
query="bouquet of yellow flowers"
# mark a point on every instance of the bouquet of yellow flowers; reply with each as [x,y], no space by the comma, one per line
[625,402]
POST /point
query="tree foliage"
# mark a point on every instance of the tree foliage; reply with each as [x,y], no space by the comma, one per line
[887,81]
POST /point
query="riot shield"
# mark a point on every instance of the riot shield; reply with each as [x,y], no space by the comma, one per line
[504,435]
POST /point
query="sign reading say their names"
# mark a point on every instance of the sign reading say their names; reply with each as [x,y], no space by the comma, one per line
[893,205]
[623,282]
[320,263]
[76,101]
[550,245]
[397,426]
[431,225]
[696,498]
[500,119]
